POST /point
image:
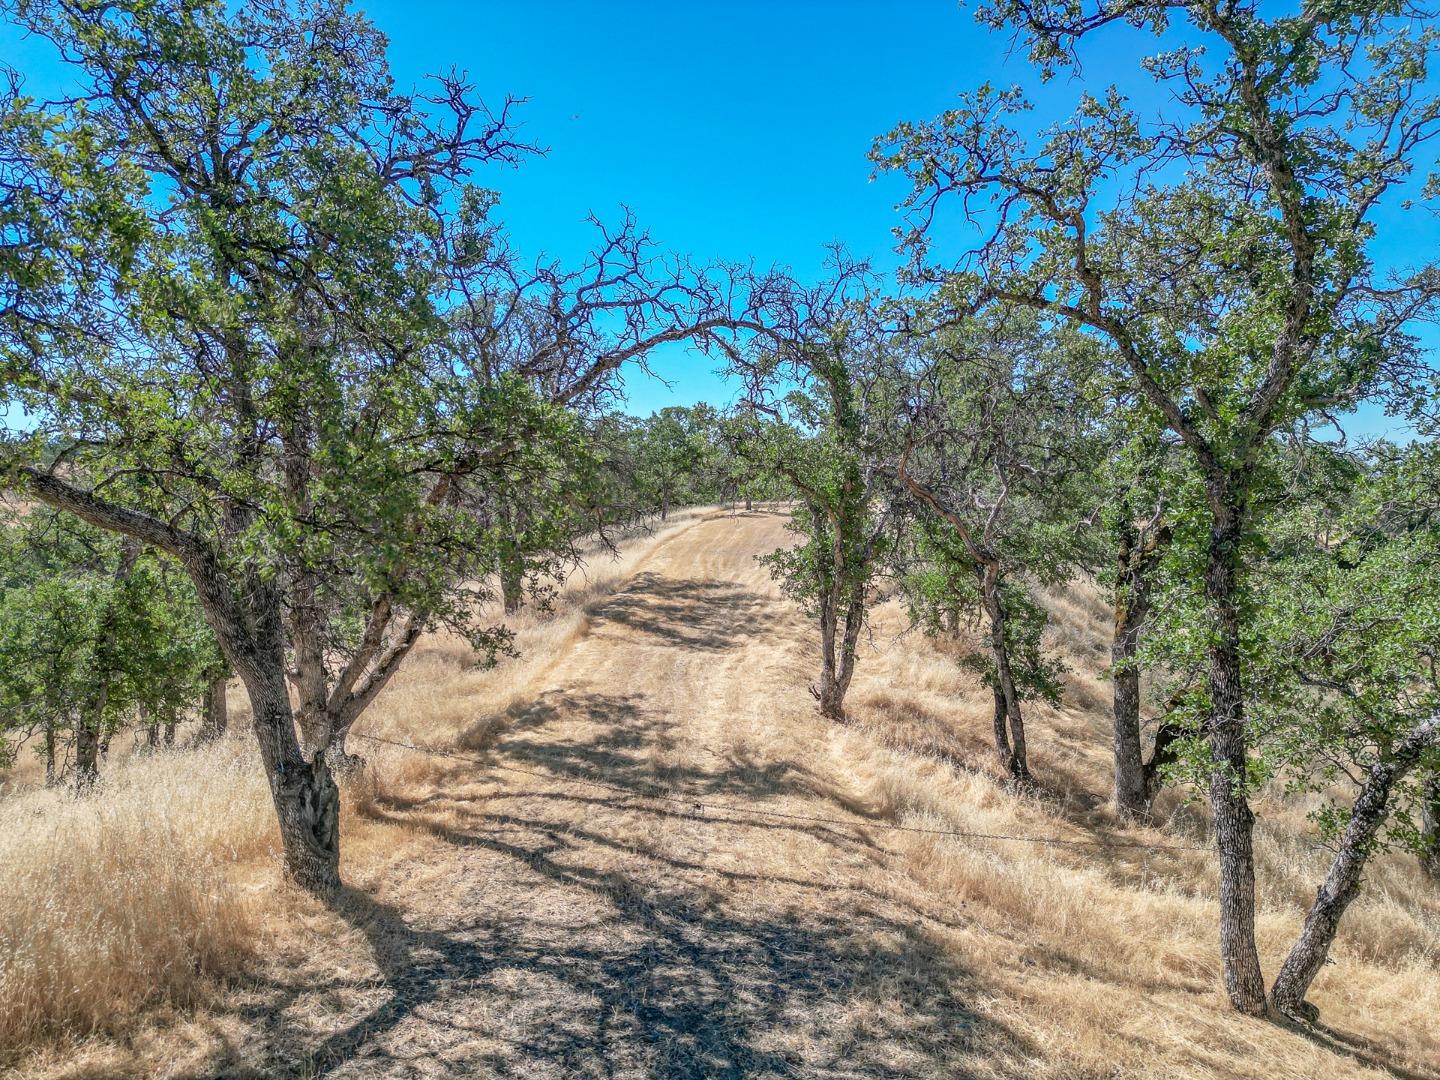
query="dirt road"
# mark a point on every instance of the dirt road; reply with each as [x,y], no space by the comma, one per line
[563,930]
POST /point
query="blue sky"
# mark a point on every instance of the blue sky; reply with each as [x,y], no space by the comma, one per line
[734,132]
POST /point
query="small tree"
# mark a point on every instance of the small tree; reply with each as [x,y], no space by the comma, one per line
[1344,669]
[995,451]
[938,581]
[827,443]
[92,628]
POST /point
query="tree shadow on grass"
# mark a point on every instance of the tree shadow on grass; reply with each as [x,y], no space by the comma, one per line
[688,613]
[619,748]
[1360,1050]
[643,980]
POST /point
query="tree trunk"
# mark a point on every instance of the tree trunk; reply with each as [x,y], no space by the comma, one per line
[49,755]
[1163,753]
[152,729]
[1310,950]
[1131,798]
[839,637]
[854,623]
[1430,828]
[215,710]
[169,728]
[87,751]
[832,700]
[1011,750]
[512,584]
[512,561]
[1234,822]
[307,801]
[1135,782]
[748,504]
[1002,736]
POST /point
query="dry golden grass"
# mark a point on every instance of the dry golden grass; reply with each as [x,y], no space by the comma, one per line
[1117,971]
[164,878]
[110,900]
[512,919]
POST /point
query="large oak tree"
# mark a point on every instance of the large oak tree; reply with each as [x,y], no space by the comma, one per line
[248,289]
[1224,251]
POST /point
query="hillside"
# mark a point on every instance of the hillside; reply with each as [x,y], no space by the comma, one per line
[647,855]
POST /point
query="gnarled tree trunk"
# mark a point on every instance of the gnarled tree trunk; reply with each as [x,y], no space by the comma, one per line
[1163,753]
[1011,750]
[1002,734]
[87,748]
[512,584]
[1134,782]
[306,799]
[1132,798]
[839,636]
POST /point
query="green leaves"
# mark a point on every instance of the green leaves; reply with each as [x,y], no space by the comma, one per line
[1348,626]
[90,631]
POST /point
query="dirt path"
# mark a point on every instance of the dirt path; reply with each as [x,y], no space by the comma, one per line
[561,930]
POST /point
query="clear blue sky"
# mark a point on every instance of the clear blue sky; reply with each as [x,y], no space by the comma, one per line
[735,132]
[732,131]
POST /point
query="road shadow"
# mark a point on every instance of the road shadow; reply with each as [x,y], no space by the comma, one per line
[687,613]
[650,981]
[623,747]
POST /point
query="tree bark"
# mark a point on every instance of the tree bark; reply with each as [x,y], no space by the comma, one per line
[1132,797]
[1161,754]
[838,639]
[87,750]
[215,710]
[832,702]
[1234,821]
[1342,882]
[1002,735]
[49,755]
[1430,828]
[512,562]
[1134,781]
[306,799]
[512,584]
[1011,750]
